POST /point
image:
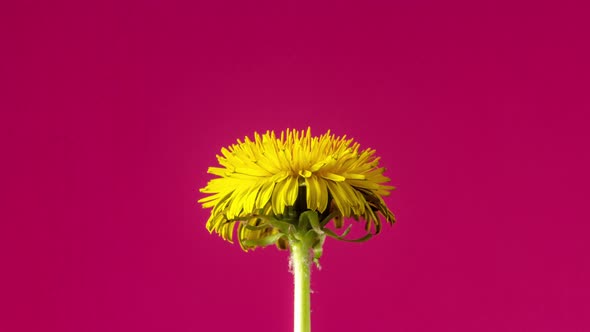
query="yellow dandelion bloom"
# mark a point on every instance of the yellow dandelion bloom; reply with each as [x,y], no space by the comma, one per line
[266,183]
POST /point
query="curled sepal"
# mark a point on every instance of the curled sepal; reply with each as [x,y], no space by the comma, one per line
[263,242]
[342,237]
[282,226]
[318,250]
[329,218]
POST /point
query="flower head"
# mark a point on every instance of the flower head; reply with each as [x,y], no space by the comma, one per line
[265,183]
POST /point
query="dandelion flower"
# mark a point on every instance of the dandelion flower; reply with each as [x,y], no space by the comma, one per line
[275,175]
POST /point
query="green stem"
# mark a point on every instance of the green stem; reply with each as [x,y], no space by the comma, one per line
[301,270]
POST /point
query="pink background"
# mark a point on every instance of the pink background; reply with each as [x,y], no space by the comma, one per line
[112,111]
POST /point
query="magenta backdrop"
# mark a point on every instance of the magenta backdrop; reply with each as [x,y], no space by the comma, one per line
[113,110]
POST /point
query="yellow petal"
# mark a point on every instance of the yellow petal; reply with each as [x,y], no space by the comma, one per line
[333,177]
[291,191]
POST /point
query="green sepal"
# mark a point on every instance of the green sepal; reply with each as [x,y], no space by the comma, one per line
[263,242]
[315,237]
[332,234]
[318,250]
[282,226]
[303,221]
[329,217]
[310,237]
[312,218]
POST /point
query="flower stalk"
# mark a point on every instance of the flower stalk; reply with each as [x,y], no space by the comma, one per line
[301,266]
